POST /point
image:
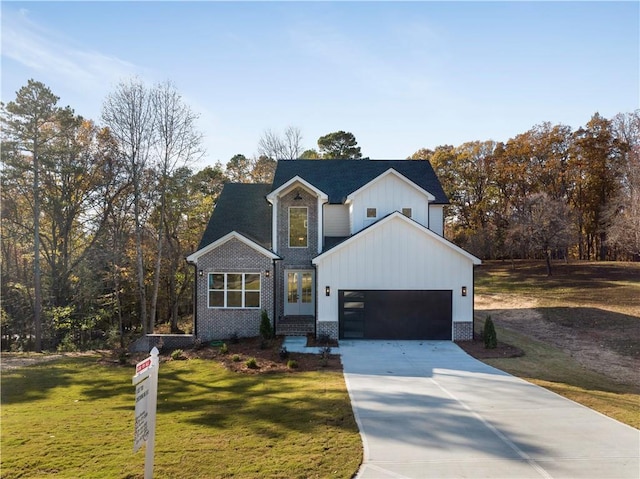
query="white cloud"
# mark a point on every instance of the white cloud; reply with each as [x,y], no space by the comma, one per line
[48,53]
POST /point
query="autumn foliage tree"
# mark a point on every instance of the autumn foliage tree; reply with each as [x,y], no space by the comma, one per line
[587,176]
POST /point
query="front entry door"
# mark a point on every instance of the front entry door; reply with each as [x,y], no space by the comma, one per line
[299,293]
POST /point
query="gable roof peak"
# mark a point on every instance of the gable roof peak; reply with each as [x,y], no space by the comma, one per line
[339,178]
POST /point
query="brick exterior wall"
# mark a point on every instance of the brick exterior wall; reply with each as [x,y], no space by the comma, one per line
[329,328]
[295,258]
[232,257]
[463,331]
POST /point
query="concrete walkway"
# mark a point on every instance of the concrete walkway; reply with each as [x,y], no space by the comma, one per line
[298,344]
[428,410]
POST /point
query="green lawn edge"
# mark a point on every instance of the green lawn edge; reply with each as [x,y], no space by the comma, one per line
[74,418]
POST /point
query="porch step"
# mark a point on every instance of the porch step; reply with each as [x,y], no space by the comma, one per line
[295,325]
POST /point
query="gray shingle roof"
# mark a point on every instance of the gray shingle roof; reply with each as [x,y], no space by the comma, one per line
[243,208]
[339,178]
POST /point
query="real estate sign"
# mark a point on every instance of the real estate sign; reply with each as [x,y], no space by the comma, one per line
[141,431]
[146,383]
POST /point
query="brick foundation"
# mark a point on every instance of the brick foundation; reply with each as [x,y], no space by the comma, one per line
[463,331]
[330,328]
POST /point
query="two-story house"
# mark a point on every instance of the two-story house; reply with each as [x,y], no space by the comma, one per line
[352,248]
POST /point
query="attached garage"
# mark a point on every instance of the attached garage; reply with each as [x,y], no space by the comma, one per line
[395,280]
[395,314]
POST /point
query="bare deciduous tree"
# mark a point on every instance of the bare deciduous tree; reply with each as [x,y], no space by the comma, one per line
[128,112]
[178,144]
[540,227]
[285,147]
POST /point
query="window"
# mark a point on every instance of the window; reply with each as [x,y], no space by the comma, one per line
[406,212]
[234,290]
[298,223]
[372,213]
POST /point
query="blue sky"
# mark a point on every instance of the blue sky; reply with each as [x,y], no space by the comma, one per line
[399,76]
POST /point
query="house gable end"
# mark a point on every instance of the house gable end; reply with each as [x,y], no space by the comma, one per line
[294,182]
[385,175]
[193,258]
[396,216]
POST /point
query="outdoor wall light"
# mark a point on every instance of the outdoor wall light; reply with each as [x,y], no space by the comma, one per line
[297,197]
[267,273]
[200,273]
[464,291]
[327,291]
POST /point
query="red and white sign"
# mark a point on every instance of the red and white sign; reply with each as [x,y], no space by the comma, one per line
[142,365]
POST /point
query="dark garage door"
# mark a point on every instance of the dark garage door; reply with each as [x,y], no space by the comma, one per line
[393,314]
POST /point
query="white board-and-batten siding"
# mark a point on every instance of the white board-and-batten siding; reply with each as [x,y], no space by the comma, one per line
[336,220]
[436,219]
[395,255]
[387,194]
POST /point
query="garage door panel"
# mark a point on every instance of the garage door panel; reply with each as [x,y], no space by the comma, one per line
[395,314]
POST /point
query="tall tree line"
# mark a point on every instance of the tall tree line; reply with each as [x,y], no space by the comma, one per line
[547,192]
[96,219]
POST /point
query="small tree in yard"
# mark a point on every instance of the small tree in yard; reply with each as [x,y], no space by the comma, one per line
[266,331]
[489,334]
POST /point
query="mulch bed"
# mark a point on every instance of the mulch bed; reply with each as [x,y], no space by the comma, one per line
[476,349]
[267,355]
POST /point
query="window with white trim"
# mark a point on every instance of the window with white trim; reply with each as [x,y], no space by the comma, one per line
[298,226]
[234,290]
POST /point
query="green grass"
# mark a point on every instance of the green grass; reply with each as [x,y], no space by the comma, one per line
[612,286]
[599,299]
[557,371]
[74,418]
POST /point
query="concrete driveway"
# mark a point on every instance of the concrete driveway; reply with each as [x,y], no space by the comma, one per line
[426,409]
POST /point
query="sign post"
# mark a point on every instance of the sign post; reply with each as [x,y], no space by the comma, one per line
[146,382]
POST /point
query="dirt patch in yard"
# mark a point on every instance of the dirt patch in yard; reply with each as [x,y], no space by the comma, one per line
[610,346]
[10,361]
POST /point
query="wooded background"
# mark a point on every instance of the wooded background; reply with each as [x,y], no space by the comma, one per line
[98,216]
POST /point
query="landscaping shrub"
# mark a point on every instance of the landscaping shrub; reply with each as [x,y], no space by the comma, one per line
[266,330]
[292,364]
[284,354]
[123,356]
[235,358]
[325,352]
[489,334]
[251,363]
[224,349]
[177,354]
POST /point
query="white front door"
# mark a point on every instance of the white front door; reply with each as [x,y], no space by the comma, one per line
[299,293]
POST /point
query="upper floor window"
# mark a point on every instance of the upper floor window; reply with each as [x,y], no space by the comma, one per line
[406,212]
[234,290]
[372,213]
[298,226]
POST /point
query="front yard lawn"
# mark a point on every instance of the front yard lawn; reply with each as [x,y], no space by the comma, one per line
[74,418]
